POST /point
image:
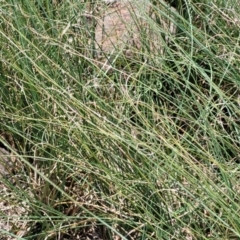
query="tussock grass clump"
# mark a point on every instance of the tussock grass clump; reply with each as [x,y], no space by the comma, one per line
[127,146]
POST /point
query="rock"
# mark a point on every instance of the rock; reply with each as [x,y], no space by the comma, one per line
[5,162]
[118,26]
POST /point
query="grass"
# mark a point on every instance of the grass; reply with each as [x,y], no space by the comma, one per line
[146,149]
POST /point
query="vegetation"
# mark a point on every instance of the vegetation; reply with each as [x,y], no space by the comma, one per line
[148,148]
